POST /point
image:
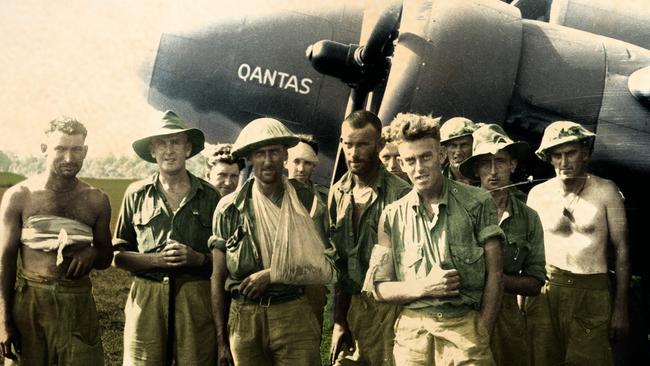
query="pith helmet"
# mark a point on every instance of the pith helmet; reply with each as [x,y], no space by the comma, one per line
[456,127]
[561,132]
[262,132]
[170,123]
[490,139]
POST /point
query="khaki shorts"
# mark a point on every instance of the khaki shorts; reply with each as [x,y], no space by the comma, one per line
[278,334]
[145,325]
[509,342]
[568,322]
[422,339]
[57,321]
[372,326]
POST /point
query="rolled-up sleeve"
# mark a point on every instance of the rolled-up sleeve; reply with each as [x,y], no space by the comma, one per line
[220,230]
[486,225]
[125,236]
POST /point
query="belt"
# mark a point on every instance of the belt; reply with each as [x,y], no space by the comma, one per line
[266,300]
[560,277]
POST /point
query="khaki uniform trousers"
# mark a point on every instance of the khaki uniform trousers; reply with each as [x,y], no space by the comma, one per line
[509,342]
[568,323]
[57,321]
[145,325]
[372,326]
[277,334]
[422,339]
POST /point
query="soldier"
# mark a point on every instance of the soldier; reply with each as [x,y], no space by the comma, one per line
[223,169]
[439,256]
[60,225]
[269,323]
[456,140]
[302,160]
[161,237]
[580,212]
[389,155]
[363,328]
[494,159]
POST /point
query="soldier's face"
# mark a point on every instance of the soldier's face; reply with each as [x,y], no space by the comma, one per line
[420,159]
[64,153]
[300,169]
[268,163]
[170,152]
[224,177]
[361,147]
[389,156]
[495,170]
[459,149]
[569,160]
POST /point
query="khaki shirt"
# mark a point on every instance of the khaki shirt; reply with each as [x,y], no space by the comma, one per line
[523,251]
[146,222]
[234,234]
[354,248]
[466,219]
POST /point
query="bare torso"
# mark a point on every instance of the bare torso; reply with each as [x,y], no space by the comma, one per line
[575,226]
[77,204]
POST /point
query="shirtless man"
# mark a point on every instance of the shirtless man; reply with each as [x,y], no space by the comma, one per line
[61,227]
[580,212]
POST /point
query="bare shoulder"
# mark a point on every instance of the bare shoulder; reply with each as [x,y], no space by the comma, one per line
[95,197]
[604,189]
[541,190]
[17,195]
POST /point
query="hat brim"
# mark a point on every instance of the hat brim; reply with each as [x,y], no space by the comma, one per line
[455,137]
[542,152]
[194,136]
[243,151]
[517,150]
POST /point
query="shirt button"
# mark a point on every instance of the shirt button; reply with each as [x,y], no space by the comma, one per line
[439,315]
[569,281]
[467,261]
[588,330]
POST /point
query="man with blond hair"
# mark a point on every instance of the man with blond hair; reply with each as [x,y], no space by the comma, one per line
[439,256]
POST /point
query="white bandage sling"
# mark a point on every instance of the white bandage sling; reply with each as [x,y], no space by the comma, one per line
[289,242]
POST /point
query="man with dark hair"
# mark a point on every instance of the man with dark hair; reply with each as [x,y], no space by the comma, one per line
[270,323]
[439,255]
[60,226]
[223,168]
[573,319]
[389,155]
[161,237]
[456,140]
[494,159]
[363,328]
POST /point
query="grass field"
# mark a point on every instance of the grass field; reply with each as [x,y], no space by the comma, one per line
[111,286]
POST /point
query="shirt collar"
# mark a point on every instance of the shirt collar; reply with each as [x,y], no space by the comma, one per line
[347,181]
[195,184]
[414,200]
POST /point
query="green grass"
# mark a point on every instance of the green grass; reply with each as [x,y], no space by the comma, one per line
[111,286]
[9,179]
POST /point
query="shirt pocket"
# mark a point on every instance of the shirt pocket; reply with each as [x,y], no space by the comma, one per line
[241,254]
[469,261]
[411,258]
[200,230]
[146,224]
[515,251]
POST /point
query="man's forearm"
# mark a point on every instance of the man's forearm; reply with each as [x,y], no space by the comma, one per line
[491,299]
[622,280]
[397,292]
[341,305]
[7,284]
[220,298]
[137,262]
[521,285]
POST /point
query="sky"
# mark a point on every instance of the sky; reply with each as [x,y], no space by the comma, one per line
[78,58]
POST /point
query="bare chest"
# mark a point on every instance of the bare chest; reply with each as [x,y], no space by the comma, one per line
[73,205]
[567,218]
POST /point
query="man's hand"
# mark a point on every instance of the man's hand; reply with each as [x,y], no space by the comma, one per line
[82,262]
[175,254]
[440,283]
[224,357]
[9,341]
[341,338]
[255,285]
[620,324]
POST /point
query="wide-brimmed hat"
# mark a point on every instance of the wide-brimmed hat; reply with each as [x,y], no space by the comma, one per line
[456,127]
[170,123]
[262,132]
[561,132]
[490,139]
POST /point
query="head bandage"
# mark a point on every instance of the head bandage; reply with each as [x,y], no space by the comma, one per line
[303,151]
